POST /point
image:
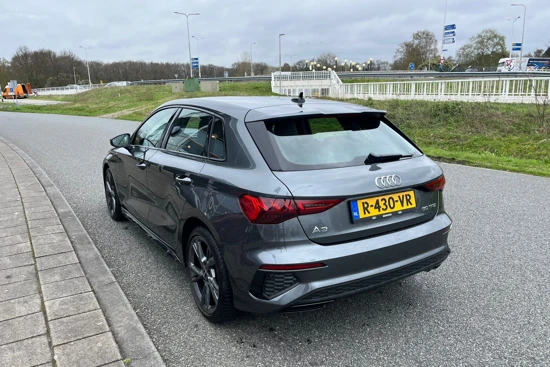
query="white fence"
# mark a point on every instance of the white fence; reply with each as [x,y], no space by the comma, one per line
[324,83]
[66,90]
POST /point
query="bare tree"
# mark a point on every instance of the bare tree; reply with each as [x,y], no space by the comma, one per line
[242,66]
[421,47]
[483,49]
[5,71]
[326,59]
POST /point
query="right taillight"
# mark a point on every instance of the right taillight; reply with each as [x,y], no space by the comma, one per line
[436,185]
[262,210]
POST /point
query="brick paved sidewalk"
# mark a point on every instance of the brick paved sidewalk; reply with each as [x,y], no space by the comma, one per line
[49,315]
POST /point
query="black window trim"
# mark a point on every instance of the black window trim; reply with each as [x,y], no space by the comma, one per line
[189,155]
[176,108]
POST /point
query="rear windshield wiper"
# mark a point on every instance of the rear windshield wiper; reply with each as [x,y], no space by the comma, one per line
[381,158]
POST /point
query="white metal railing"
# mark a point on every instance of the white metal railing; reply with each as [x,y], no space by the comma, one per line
[302,75]
[66,90]
[311,83]
[521,90]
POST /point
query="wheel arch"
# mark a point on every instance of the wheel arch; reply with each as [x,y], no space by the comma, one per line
[187,228]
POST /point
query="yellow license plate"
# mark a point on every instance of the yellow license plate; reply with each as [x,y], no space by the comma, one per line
[383,205]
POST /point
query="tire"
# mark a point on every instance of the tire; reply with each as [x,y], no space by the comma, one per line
[209,277]
[111,196]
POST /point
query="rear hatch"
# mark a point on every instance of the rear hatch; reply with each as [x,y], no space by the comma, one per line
[380,180]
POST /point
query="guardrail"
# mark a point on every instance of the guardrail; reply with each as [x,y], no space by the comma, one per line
[321,75]
[66,90]
[519,90]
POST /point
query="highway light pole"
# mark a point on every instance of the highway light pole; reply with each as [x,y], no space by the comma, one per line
[251,63]
[188,40]
[512,39]
[199,52]
[280,66]
[522,34]
[87,65]
[74,73]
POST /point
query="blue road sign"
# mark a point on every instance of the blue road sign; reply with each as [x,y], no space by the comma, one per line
[518,44]
[445,50]
[450,27]
[449,34]
[516,48]
[195,62]
[448,40]
[11,90]
[411,66]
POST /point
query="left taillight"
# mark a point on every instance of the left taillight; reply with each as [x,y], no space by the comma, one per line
[263,210]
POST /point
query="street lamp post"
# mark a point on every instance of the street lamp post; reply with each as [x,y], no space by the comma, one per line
[199,53]
[280,66]
[74,73]
[87,64]
[522,33]
[251,63]
[188,40]
[512,39]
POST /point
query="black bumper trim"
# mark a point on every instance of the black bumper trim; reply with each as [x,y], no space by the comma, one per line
[364,284]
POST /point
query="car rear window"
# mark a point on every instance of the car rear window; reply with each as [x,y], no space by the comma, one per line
[317,142]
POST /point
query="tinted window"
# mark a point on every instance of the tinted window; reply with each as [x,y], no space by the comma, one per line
[189,132]
[302,143]
[217,140]
[150,133]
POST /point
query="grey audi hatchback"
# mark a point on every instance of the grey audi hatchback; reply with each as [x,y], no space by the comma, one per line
[275,203]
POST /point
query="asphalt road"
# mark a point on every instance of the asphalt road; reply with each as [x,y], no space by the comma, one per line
[488,304]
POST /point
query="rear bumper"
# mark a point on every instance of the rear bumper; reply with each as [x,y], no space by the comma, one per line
[373,281]
[352,267]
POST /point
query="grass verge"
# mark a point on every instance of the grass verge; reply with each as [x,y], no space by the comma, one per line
[511,137]
[130,103]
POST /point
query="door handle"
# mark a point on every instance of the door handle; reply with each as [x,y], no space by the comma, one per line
[142,165]
[184,180]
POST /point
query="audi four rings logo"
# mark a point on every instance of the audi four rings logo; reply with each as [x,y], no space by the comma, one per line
[384,182]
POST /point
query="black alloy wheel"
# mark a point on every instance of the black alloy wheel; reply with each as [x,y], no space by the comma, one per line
[209,280]
[113,204]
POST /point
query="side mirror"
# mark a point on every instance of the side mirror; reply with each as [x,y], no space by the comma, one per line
[121,141]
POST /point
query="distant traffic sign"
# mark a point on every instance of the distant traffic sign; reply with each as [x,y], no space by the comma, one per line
[195,62]
[516,44]
[516,48]
[411,66]
[449,34]
[450,27]
[448,40]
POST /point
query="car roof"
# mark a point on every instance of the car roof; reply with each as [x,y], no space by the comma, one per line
[253,108]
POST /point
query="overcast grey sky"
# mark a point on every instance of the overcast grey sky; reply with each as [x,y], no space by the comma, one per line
[355,30]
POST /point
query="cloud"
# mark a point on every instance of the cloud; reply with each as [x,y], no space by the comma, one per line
[354,30]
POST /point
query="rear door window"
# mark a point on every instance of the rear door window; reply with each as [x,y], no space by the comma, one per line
[316,142]
[189,132]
